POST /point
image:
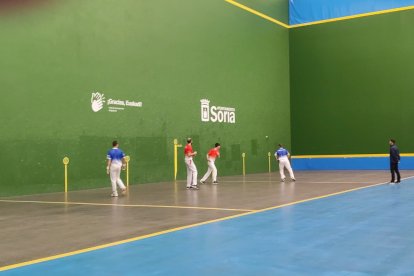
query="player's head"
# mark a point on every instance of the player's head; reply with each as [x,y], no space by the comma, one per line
[217,145]
[189,140]
[115,143]
[392,142]
[280,146]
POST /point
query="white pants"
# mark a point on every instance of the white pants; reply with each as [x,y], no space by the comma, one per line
[191,172]
[284,163]
[211,169]
[115,174]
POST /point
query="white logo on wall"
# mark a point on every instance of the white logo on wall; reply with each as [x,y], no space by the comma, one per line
[217,113]
[98,101]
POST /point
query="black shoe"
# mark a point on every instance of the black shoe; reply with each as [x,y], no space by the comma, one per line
[293,179]
[194,187]
[215,182]
[392,181]
[398,181]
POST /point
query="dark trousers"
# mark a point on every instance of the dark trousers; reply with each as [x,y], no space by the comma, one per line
[394,170]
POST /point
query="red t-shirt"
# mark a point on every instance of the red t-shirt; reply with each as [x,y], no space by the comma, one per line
[188,149]
[213,153]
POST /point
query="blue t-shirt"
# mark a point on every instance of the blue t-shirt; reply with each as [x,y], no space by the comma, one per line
[115,155]
[281,153]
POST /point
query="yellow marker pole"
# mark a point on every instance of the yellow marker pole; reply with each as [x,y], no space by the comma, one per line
[244,163]
[65,163]
[127,159]
[176,146]
[270,168]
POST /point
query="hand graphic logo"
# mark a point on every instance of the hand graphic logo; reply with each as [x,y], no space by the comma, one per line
[97,101]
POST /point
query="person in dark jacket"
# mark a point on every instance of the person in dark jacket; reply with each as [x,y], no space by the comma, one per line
[394,160]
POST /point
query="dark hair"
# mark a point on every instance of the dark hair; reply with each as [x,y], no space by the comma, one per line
[280,145]
[114,143]
[392,140]
[189,140]
[217,144]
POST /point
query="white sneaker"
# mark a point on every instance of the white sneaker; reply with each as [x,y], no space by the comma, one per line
[114,194]
[124,191]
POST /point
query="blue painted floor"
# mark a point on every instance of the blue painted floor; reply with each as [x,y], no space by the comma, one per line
[365,232]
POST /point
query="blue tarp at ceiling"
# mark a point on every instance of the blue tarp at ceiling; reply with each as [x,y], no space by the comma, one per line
[305,11]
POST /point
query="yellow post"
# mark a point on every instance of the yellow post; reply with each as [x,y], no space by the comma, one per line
[270,168]
[244,163]
[127,159]
[65,163]
[176,146]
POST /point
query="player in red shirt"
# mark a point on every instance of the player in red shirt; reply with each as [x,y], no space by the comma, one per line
[211,158]
[191,168]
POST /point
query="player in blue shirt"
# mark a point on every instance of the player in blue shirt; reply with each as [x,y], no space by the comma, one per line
[116,162]
[282,155]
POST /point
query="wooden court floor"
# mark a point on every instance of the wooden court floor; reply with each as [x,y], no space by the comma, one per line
[39,226]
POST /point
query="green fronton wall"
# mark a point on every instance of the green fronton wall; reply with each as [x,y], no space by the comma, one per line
[339,88]
[352,85]
[166,54]
[277,9]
